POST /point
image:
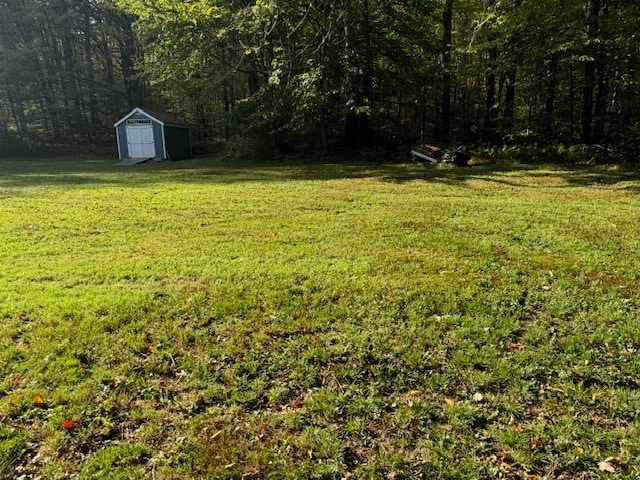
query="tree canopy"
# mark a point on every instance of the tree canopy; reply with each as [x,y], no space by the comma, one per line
[293,74]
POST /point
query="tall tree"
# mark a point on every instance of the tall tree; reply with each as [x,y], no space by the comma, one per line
[594,8]
[59,79]
[447,41]
[301,74]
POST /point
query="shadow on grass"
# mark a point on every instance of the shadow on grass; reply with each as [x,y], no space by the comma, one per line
[15,173]
[529,176]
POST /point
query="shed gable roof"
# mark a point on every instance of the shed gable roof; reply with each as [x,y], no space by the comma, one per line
[133,112]
[163,119]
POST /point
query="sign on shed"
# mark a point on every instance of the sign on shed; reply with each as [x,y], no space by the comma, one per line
[144,136]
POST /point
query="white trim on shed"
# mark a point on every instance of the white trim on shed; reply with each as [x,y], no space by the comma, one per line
[133,112]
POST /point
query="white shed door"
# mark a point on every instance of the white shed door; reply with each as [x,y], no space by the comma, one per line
[140,141]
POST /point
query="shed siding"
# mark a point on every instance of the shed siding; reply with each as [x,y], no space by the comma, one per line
[169,141]
[157,138]
[178,141]
[121,132]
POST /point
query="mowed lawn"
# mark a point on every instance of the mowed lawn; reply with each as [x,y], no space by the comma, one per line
[214,320]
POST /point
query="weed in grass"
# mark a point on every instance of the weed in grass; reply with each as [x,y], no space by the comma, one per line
[117,462]
[12,445]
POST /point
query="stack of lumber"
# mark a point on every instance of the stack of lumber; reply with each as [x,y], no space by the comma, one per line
[429,153]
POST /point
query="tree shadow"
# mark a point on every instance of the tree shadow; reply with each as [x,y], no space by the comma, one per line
[525,176]
[16,173]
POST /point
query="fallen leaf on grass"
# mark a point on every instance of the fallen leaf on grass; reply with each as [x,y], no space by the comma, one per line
[38,401]
[535,442]
[449,401]
[68,423]
[515,347]
[606,466]
[478,397]
[14,382]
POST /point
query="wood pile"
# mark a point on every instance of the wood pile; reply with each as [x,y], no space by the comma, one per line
[433,155]
[430,153]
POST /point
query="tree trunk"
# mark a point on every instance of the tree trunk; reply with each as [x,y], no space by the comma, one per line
[350,118]
[600,104]
[128,54]
[602,91]
[46,75]
[491,106]
[447,38]
[364,124]
[587,102]
[509,100]
[358,80]
[589,73]
[253,82]
[550,98]
[74,101]
[572,103]
[17,112]
[226,105]
[90,87]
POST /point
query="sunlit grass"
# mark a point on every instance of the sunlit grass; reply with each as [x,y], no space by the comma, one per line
[205,319]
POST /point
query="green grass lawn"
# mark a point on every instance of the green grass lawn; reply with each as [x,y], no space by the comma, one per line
[216,320]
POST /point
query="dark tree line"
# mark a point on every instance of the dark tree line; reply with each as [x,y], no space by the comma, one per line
[324,74]
[67,69]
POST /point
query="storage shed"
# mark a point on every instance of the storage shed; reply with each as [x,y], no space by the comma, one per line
[145,136]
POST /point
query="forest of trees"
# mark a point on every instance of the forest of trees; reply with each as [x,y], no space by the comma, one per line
[290,75]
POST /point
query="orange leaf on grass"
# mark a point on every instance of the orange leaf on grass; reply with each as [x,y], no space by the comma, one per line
[68,423]
[38,401]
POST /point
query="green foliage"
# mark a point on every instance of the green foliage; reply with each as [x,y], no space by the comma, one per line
[252,148]
[560,154]
[262,118]
[294,75]
[292,70]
